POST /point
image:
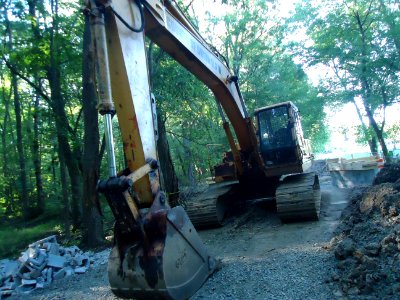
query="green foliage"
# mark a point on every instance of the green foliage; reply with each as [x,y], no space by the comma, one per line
[37,36]
[253,44]
[393,133]
[357,43]
[16,239]
[191,117]
[363,135]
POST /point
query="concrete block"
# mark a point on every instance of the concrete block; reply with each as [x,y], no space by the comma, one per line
[24,257]
[81,260]
[49,275]
[32,269]
[24,272]
[28,282]
[35,273]
[49,239]
[73,250]
[33,252]
[56,261]
[25,289]
[39,261]
[80,270]
[6,293]
[52,248]
[40,285]
[44,272]
[59,274]
[68,258]
[69,271]
[8,286]
[61,250]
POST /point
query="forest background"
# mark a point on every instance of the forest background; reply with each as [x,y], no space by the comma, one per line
[52,143]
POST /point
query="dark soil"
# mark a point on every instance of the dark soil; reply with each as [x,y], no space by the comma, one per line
[367,241]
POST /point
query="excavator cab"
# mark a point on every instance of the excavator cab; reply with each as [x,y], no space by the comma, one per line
[280,135]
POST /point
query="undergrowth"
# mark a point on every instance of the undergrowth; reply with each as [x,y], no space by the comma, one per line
[16,235]
[14,239]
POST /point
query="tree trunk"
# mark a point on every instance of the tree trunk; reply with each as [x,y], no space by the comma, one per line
[61,121]
[188,160]
[373,145]
[64,195]
[94,234]
[20,149]
[18,127]
[371,140]
[366,97]
[167,170]
[5,168]
[62,127]
[40,203]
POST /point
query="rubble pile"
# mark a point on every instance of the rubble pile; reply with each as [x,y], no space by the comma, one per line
[367,245]
[43,262]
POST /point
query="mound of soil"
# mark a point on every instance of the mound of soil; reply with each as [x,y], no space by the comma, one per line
[367,242]
[390,173]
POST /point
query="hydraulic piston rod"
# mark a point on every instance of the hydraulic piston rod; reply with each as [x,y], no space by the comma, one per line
[105,103]
[110,145]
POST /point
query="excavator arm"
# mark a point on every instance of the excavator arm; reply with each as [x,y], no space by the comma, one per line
[165,24]
[157,251]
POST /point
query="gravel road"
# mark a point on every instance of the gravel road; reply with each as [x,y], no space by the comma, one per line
[261,258]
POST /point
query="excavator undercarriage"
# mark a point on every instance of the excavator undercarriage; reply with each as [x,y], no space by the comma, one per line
[297,198]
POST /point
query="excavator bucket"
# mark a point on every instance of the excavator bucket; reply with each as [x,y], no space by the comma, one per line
[157,254]
[175,266]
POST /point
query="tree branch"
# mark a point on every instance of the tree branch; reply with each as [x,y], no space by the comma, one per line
[37,88]
[75,129]
[182,137]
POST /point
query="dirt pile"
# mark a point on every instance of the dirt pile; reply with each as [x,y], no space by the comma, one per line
[367,242]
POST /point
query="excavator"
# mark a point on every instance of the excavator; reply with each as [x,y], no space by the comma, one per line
[157,252]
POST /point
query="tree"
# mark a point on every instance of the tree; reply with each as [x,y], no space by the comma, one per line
[355,40]
[5,154]
[94,234]
[252,42]
[18,120]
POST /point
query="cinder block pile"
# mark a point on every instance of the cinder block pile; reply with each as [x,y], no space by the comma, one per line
[37,267]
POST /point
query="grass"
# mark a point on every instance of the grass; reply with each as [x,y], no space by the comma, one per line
[15,239]
[16,235]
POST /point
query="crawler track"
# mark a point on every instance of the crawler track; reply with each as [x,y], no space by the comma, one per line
[298,197]
[208,209]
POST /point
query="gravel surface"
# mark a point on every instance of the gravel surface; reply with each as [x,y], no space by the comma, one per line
[293,273]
